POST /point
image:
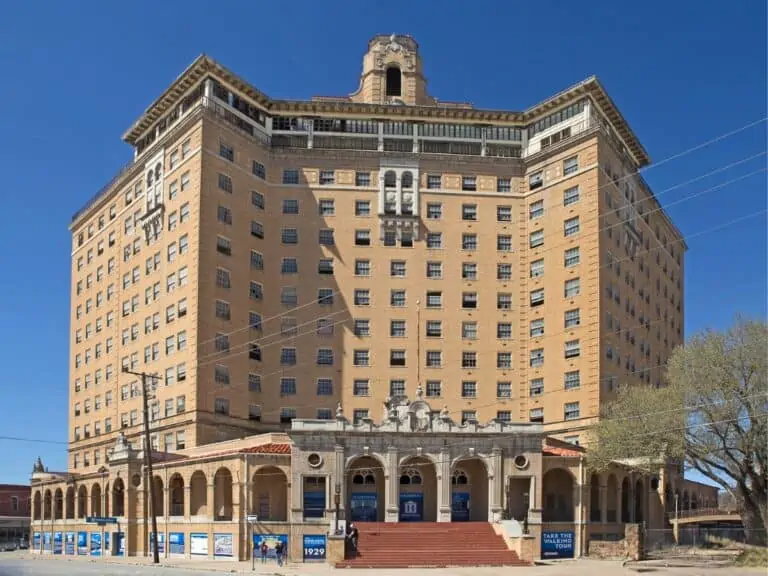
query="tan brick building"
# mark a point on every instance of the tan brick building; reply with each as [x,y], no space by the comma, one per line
[270,259]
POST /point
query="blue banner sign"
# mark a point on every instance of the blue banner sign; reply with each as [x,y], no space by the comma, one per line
[95,543]
[101,520]
[363,507]
[160,542]
[120,543]
[271,540]
[36,541]
[176,543]
[82,543]
[557,544]
[411,507]
[314,547]
[222,545]
[107,549]
[58,544]
[69,543]
[46,541]
[460,507]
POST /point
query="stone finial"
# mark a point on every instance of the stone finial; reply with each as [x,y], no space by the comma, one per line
[339,411]
[419,393]
[38,466]
[444,413]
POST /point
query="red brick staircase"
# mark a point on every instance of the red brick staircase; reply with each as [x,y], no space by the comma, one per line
[430,544]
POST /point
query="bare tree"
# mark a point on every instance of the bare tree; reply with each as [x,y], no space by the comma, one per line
[712,413]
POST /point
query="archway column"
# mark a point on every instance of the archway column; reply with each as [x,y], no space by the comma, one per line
[392,486]
[443,470]
[210,506]
[188,501]
[495,486]
[631,498]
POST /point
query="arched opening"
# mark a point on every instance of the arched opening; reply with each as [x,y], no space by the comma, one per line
[365,489]
[612,488]
[406,180]
[418,490]
[558,496]
[198,494]
[594,498]
[270,494]
[159,500]
[394,81]
[390,179]
[625,501]
[118,497]
[469,491]
[58,504]
[222,494]
[47,505]
[70,507]
[96,500]
[37,506]
[686,501]
[639,502]
[668,501]
[694,502]
[82,502]
[176,494]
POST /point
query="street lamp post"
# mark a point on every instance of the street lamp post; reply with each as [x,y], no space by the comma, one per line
[337,504]
[527,500]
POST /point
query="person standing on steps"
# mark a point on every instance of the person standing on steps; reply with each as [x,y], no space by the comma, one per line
[279,553]
[264,552]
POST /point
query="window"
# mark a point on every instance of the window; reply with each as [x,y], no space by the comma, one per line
[572,257]
[469,184]
[434,240]
[503,271]
[434,269]
[469,389]
[503,213]
[571,226]
[221,374]
[221,406]
[434,329]
[362,208]
[327,177]
[434,210]
[571,196]
[537,297]
[255,291]
[257,199]
[504,360]
[397,298]
[223,278]
[537,327]
[434,181]
[570,165]
[536,415]
[397,268]
[503,330]
[290,206]
[469,212]
[257,260]
[397,357]
[325,357]
[468,416]
[434,359]
[289,236]
[361,358]
[434,388]
[469,300]
[504,243]
[287,386]
[571,411]
[434,299]
[287,265]
[572,287]
[397,387]
[254,320]
[226,152]
[324,387]
[224,215]
[504,389]
[469,330]
[504,185]
[359,415]
[290,176]
[572,380]
[397,328]
[469,359]
[537,268]
[324,327]
[535,180]
[360,388]
[362,328]
[325,266]
[536,239]
[325,296]
[572,349]
[362,179]
[362,237]
[258,170]
[572,318]
[362,297]
[288,357]
[536,209]
[222,309]
[223,245]
[537,358]
[325,207]
[469,241]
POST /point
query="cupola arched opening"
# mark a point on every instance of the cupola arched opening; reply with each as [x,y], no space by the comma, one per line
[394,81]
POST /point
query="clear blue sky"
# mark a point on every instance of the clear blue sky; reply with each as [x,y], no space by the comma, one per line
[76,74]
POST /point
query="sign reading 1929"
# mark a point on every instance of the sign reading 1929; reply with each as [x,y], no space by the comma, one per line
[314,547]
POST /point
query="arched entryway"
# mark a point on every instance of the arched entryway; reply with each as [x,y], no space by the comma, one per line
[594,498]
[118,497]
[418,490]
[47,505]
[198,494]
[469,491]
[58,504]
[365,489]
[612,497]
[558,496]
[394,81]
[222,494]
[70,504]
[269,496]
[82,502]
[96,500]
[37,506]
[625,502]
[639,501]
[159,497]
[176,494]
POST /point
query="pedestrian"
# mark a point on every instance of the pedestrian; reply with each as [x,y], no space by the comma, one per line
[353,536]
[264,551]
[279,553]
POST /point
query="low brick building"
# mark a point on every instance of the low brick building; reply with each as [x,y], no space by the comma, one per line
[14,515]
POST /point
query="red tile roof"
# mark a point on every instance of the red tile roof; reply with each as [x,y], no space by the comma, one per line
[270,448]
[563,452]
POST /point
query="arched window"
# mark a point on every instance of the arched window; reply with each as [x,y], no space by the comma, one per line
[410,476]
[394,81]
[390,179]
[364,477]
[459,477]
[150,178]
[407,180]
